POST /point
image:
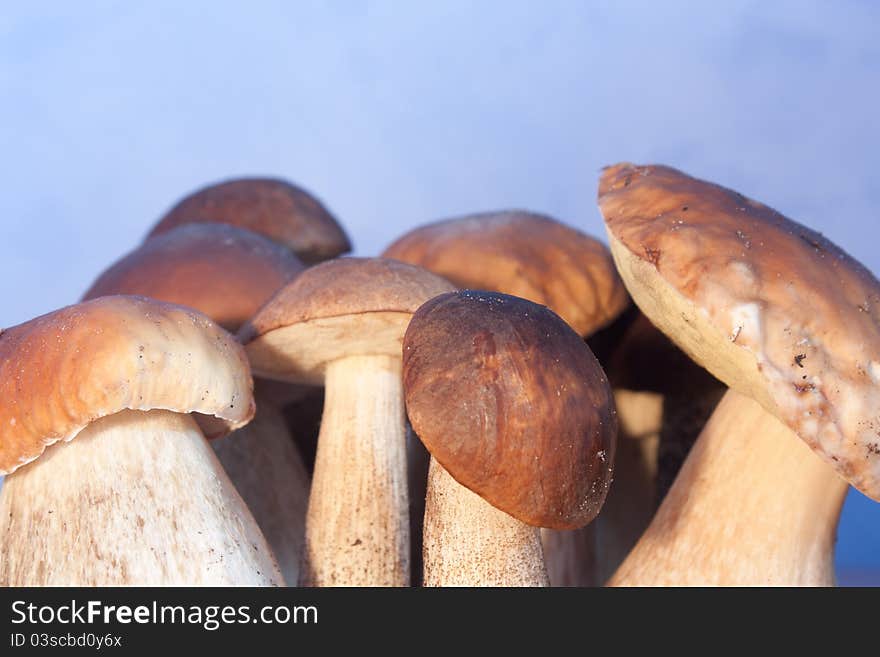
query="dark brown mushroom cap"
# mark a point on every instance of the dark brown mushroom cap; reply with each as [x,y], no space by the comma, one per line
[277,209]
[61,371]
[513,404]
[770,307]
[225,272]
[524,254]
[339,308]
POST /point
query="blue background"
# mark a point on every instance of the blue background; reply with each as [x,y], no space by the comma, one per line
[396,113]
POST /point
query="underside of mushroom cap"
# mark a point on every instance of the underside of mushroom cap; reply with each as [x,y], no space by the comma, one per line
[225,272]
[61,371]
[343,307]
[275,208]
[522,254]
[771,308]
[513,404]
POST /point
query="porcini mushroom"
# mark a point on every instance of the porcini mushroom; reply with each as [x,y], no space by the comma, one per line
[538,258]
[341,323]
[277,209]
[520,423]
[131,493]
[789,322]
[227,273]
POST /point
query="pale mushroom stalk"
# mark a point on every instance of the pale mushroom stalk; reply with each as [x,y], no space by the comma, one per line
[138,498]
[357,525]
[468,542]
[263,462]
[749,482]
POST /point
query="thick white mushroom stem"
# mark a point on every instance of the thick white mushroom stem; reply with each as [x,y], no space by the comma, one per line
[137,498]
[265,465]
[357,525]
[752,506]
[468,542]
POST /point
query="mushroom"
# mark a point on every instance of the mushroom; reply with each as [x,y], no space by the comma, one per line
[277,209]
[519,420]
[227,273]
[131,493]
[538,258]
[790,323]
[341,323]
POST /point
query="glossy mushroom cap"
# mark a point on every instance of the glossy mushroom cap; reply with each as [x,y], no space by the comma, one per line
[771,308]
[61,371]
[513,404]
[524,254]
[343,307]
[277,209]
[225,272]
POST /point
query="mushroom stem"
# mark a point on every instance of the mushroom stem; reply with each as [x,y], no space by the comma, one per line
[752,505]
[357,525]
[263,462]
[138,498]
[468,542]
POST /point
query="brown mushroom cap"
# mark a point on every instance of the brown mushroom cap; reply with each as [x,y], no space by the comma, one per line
[277,209]
[524,254]
[771,308]
[61,371]
[343,307]
[225,272]
[513,404]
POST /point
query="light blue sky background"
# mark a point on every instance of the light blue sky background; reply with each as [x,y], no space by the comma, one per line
[398,112]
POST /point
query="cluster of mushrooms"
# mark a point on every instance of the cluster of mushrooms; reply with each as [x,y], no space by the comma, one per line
[497,400]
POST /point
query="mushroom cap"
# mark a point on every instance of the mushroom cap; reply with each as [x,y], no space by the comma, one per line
[61,371]
[513,404]
[225,272]
[277,209]
[523,254]
[771,308]
[343,307]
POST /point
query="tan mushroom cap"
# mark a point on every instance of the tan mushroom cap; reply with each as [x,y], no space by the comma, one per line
[522,254]
[225,272]
[61,371]
[771,308]
[513,404]
[277,209]
[343,307]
